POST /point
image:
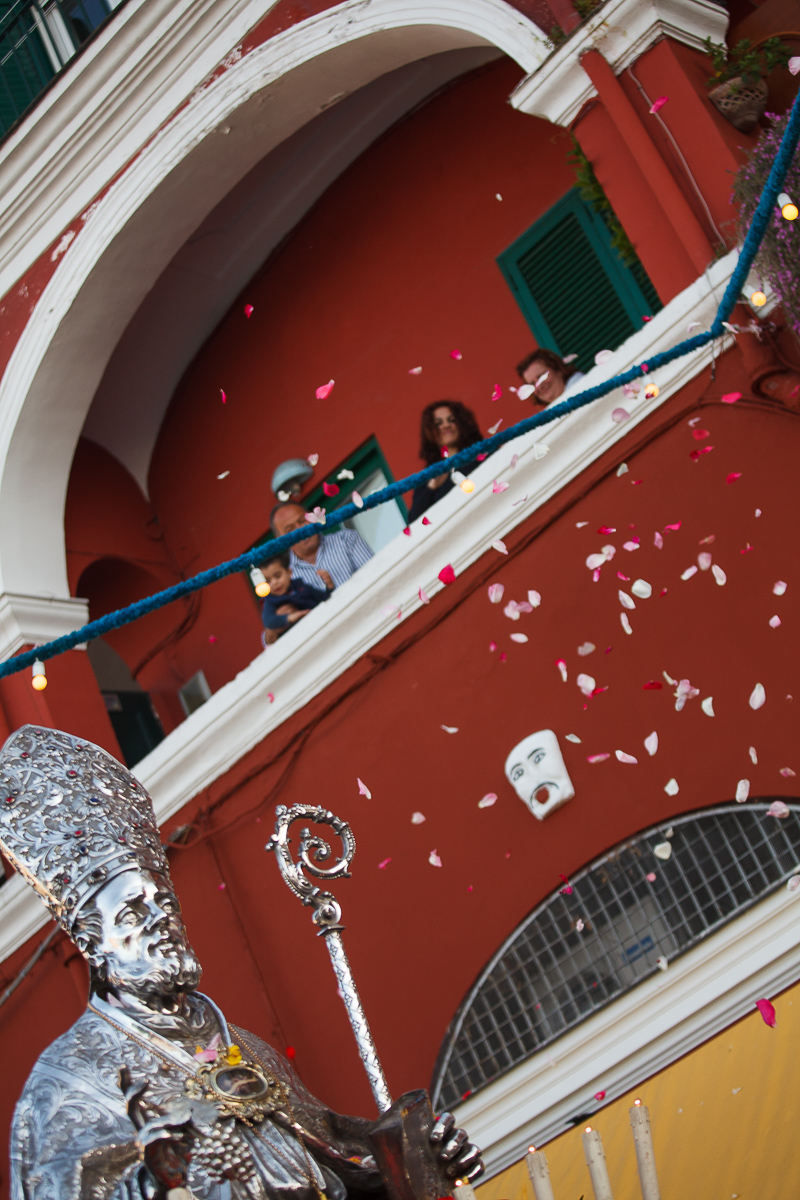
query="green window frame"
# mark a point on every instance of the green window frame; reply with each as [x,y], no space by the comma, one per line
[574,290]
[368,463]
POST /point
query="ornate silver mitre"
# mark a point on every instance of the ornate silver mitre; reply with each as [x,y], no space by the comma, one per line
[71,817]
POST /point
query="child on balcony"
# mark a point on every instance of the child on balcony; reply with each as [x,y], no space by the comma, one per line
[289,599]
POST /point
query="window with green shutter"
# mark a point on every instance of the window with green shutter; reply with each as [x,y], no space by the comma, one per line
[575,292]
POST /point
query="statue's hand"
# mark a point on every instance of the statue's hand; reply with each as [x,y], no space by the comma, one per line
[461,1159]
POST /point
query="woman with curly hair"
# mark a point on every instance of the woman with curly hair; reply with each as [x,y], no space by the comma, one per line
[447,427]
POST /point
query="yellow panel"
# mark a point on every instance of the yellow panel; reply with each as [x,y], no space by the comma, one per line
[724,1117]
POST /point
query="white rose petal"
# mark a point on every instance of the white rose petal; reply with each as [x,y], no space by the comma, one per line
[742,790]
[663,850]
[758,697]
[672,788]
[707,706]
[651,743]
[719,575]
[625,623]
[642,589]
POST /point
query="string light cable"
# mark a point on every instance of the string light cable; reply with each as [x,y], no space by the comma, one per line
[465,458]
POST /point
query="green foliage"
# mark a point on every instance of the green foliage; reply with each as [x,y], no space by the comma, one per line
[744,60]
[585,8]
[555,37]
[592,192]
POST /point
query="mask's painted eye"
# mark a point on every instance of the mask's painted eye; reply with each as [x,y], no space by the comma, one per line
[517,774]
[538,757]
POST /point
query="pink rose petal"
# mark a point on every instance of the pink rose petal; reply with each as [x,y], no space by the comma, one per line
[424,597]
[778,809]
[779,588]
[774,622]
[620,415]
[603,356]
[223,397]
[357,500]
[659,103]
[312,460]
[488,800]
[426,521]
[651,877]
[731,397]
[325,390]
[496,592]
[497,393]
[363,790]
[330,489]
[562,666]
[767,1010]
[599,1096]
[734,475]
[457,355]
[794,65]
[500,487]
[596,758]
[383,863]
[248,310]
[417,818]
[492,647]
[434,859]
[787,772]
[447,574]
[626,758]
[700,435]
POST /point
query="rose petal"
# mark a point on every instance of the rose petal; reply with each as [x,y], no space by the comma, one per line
[586,648]
[620,415]
[779,588]
[625,623]
[734,475]
[345,474]
[534,599]
[663,850]
[662,963]
[248,310]
[363,790]
[434,860]
[625,600]
[778,809]
[758,697]
[652,686]
[497,393]
[719,575]
[700,434]
[775,622]
[488,800]
[622,469]
[742,790]
[562,666]
[596,758]
[540,450]
[787,772]
[731,397]
[525,391]
[651,877]
[793,883]
[447,574]
[599,1096]
[651,743]
[457,355]
[794,65]
[496,592]
[689,572]
[383,863]
[450,728]
[698,454]
[584,682]
[359,503]
[659,103]
[626,758]
[417,818]
[603,356]
[518,637]
[594,561]
[707,706]
[415,371]
[500,487]
[573,737]
[330,489]
[671,788]
[224,475]
[500,546]
[426,521]
[767,1010]
[325,390]
[495,427]
[632,545]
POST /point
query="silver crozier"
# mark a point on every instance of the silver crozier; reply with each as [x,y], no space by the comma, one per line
[327,915]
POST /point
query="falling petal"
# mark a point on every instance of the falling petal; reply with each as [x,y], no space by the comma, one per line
[603,356]
[579,925]
[492,647]
[562,666]
[500,487]
[696,455]
[719,575]
[775,621]
[631,545]
[605,529]
[658,540]
[248,310]
[383,863]
[540,450]
[586,648]
[596,575]
[500,546]
[731,397]
[312,460]
[794,65]
[415,371]
[363,790]
[625,623]
[518,637]
[793,884]
[594,561]
[779,588]
[652,685]
[742,790]
[707,706]
[787,772]
[496,592]
[573,737]
[671,788]
[457,355]
[357,500]
[447,574]
[626,758]
[704,560]
[581,524]
[271,697]
[642,589]
[426,521]
[673,528]
[657,104]
[757,697]
[417,818]
[689,572]
[407,531]
[497,393]
[693,325]
[651,877]
[662,963]
[330,489]
[224,475]
[625,600]
[434,860]
[596,758]
[706,541]
[584,682]
[767,1011]
[317,517]
[514,461]
[325,390]
[450,728]
[622,469]
[525,391]
[534,599]
[620,415]
[488,800]
[734,475]
[651,743]
[495,427]
[631,389]
[423,596]
[778,809]
[700,434]
[663,850]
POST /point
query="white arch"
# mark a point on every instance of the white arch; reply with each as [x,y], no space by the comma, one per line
[155,205]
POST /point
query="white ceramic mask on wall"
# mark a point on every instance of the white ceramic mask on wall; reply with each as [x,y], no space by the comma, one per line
[536,771]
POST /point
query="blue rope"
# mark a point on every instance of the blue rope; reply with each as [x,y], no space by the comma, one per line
[465,458]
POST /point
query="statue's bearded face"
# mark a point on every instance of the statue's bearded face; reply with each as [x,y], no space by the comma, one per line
[133,936]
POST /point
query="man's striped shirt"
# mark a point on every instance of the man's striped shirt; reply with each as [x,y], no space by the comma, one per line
[340,554]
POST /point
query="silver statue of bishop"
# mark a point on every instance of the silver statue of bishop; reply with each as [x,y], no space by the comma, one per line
[152,1095]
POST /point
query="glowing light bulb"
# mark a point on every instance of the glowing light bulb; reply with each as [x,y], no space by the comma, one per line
[758,299]
[638,1103]
[531,1149]
[789,210]
[588,1129]
[39,680]
[651,391]
[259,581]
[465,484]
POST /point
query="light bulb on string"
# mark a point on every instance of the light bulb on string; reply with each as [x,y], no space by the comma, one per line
[789,209]
[758,299]
[651,391]
[39,680]
[259,581]
[465,484]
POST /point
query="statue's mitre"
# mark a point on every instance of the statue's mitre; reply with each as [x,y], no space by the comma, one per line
[71,817]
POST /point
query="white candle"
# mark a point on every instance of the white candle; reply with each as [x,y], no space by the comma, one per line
[464,1191]
[540,1174]
[645,1155]
[596,1162]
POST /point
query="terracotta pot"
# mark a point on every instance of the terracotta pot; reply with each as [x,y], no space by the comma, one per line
[740,103]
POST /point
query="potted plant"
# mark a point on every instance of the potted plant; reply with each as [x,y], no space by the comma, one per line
[738,85]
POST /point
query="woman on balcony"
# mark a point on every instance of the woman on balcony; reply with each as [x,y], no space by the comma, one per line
[447,427]
[546,377]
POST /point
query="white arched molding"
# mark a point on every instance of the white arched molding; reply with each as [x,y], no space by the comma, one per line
[181,173]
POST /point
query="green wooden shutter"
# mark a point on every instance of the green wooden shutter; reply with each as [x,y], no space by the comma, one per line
[574,290]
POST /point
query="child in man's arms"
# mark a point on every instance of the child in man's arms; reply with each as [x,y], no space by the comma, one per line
[289,599]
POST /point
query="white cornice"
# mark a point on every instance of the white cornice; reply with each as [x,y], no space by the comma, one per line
[241,714]
[703,992]
[30,620]
[622,30]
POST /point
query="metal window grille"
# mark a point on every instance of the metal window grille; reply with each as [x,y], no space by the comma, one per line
[549,975]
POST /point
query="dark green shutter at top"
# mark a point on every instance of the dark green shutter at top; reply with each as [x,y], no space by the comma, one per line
[575,292]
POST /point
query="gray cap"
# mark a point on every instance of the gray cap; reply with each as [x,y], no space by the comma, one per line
[293,468]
